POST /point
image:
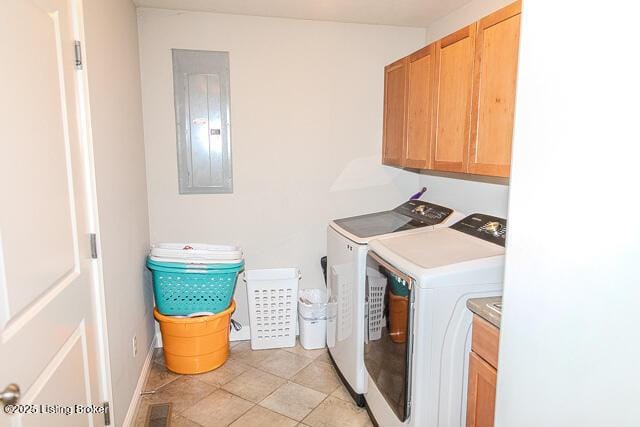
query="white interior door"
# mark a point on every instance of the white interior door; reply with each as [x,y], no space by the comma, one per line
[48,326]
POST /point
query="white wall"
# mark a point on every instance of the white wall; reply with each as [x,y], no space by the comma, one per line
[467,14]
[569,347]
[306,124]
[112,66]
[466,193]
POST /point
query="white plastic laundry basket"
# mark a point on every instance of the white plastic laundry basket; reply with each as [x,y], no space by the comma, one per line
[377,287]
[195,253]
[273,302]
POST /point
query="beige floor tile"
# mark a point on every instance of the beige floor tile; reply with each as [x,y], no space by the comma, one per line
[343,394]
[334,412]
[158,377]
[293,400]
[242,353]
[225,373]
[141,413]
[254,385]
[219,409]
[262,417]
[242,346]
[324,357]
[183,393]
[180,421]
[319,376]
[197,401]
[284,364]
[299,349]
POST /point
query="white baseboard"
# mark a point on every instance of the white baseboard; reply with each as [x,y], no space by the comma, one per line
[241,335]
[135,399]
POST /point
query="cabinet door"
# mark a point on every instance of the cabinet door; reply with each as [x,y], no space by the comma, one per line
[395,82]
[421,81]
[455,61]
[481,394]
[494,92]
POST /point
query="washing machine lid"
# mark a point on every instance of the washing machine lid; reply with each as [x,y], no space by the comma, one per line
[439,248]
[444,257]
[377,224]
[408,216]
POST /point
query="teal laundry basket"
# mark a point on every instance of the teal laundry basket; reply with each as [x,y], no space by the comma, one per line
[398,285]
[182,289]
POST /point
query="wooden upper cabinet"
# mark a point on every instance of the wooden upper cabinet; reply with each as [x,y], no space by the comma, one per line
[453,104]
[450,106]
[395,82]
[421,83]
[495,71]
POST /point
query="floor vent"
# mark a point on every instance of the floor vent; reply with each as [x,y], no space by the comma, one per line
[159,415]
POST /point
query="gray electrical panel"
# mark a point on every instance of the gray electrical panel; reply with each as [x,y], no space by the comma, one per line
[201,94]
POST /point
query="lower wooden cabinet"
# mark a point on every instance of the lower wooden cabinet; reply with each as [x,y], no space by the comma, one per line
[483,364]
[481,397]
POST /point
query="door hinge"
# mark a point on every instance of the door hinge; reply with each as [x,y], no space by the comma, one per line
[94,246]
[77,48]
[107,413]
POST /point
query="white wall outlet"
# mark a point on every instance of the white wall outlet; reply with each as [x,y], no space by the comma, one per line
[134,346]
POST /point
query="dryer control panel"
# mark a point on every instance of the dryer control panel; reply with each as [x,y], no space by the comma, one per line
[485,227]
[425,212]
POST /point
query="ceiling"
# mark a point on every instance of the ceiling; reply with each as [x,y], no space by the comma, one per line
[409,13]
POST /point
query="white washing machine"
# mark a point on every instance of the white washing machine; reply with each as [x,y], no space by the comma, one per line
[417,369]
[347,241]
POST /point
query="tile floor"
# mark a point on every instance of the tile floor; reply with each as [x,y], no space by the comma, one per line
[274,388]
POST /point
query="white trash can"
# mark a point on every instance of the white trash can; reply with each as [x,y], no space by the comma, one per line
[271,294]
[312,318]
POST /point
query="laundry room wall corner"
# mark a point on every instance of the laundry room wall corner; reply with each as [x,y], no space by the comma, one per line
[112,69]
[306,103]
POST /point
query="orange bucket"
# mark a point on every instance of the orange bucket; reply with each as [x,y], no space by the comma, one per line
[398,310]
[193,345]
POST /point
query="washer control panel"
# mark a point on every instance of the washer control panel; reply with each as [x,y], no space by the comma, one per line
[485,227]
[425,212]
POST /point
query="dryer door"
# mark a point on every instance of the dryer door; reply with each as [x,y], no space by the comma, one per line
[389,345]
